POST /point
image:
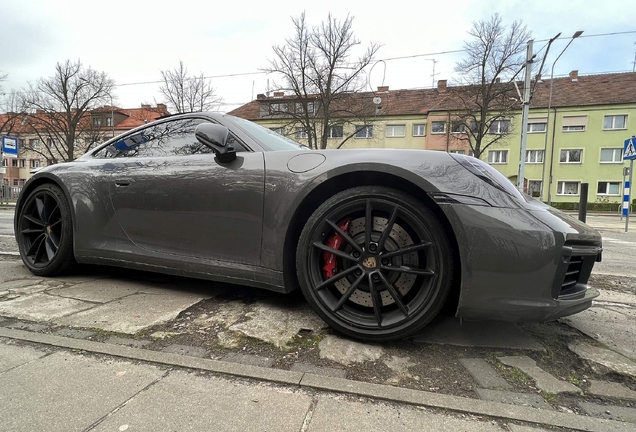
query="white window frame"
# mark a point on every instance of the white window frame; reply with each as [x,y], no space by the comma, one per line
[301,133]
[536,153]
[568,156]
[393,131]
[498,128]
[368,131]
[458,127]
[34,143]
[419,129]
[613,126]
[331,129]
[615,150]
[607,185]
[533,129]
[535,181]
[561,187]
[498,158]
[435,122]
[34,163]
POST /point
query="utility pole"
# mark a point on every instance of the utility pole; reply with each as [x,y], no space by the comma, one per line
[524,117]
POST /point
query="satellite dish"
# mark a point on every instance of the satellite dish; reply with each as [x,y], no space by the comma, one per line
[377,100]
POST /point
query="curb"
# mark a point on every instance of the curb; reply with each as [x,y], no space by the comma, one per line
[339,385]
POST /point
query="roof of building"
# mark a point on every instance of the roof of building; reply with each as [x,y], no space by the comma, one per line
[570,91]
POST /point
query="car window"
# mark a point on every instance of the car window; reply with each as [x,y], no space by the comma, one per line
[169,138]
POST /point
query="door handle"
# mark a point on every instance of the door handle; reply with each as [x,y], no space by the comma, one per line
[123,182]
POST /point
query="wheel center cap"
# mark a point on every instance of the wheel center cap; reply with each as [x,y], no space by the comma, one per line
[370,262]
[48,229]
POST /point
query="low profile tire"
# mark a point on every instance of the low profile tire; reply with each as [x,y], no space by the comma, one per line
[44,232]
[374,263]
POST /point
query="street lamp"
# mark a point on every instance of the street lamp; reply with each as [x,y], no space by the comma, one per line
[547,124]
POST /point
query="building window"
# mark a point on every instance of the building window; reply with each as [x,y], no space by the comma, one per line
[278,130]
[438,127]
[34,143]
[571,156]
[536,127]
[364,131]
[567,188]
[534,188]
[34,163]
[457,151]
[97,122]
[499,127]
[335,132]
[615,122]
[14,163]
[458,127]
[611,155]
[574,123]
[608,188]
[395,131]
[15,182]
[534,156]
[419,129]
[301,133]
[109,121]
[498,156]
[5,162]
[22,163]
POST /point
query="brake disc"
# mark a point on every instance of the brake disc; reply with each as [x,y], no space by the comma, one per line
[403,282]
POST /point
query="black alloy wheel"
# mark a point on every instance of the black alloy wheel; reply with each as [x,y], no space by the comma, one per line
[44,231]
[374,263]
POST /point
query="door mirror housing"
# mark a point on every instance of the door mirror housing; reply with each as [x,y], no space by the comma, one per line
[215,136]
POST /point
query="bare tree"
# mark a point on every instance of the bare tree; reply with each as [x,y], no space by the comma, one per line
[59,110]
[319,71]
[185,93]
[487,97]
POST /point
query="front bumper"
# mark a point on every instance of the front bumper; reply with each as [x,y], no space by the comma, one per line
[522,265]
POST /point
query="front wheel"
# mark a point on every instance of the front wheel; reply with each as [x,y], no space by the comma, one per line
[44,231]
[374,263]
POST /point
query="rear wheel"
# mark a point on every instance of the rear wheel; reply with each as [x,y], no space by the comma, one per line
[374,263]
[45,232]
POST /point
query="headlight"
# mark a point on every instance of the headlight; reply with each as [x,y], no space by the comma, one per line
[488,174]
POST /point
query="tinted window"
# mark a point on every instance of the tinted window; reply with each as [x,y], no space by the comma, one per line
[170,138]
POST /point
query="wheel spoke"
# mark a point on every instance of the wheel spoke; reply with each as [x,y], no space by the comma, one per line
[39,205]
[345,236]
[410,270]
[406,249]
[368,225]
[55,240]
[397,297]
[35,245]
[33,230]
[50,248]
[376,299]
[54,224]
[348,293]
[336,278]
[52,212]
[40,250]
[35,220]
[336,252]
[388,228]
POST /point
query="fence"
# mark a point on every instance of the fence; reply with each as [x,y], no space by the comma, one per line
[9,193]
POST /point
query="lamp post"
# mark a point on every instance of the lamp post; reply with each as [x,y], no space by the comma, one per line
[547,125]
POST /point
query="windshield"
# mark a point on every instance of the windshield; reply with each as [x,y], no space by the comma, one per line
[269,138]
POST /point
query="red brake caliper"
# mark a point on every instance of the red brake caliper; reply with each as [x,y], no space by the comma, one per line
[334,241]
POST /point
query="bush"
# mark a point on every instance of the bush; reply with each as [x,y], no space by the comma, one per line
[601,207]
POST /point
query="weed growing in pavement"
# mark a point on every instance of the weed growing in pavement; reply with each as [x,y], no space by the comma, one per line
[549,397]
[573,379]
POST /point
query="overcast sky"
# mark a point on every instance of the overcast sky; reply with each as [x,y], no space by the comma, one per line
[133,40]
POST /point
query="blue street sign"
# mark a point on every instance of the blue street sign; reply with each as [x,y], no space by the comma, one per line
[10,146]
[629,151]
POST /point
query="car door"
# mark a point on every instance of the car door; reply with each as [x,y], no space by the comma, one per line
[171,195]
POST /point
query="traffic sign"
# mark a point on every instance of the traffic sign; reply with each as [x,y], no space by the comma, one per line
[629,151]
[10,146]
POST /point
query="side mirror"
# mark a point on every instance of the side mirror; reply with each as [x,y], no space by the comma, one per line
[215,136]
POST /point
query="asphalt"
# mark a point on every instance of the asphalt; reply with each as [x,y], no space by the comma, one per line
[50,382]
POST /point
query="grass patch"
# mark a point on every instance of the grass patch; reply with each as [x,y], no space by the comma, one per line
[549,397]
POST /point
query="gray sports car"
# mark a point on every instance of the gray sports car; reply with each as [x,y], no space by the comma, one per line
[378,240]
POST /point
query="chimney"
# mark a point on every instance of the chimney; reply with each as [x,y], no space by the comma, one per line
[279,94]
[261,96]
[441,85]
[145,106]
[574,75]
[162,107]
[497,80]
[383,88]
